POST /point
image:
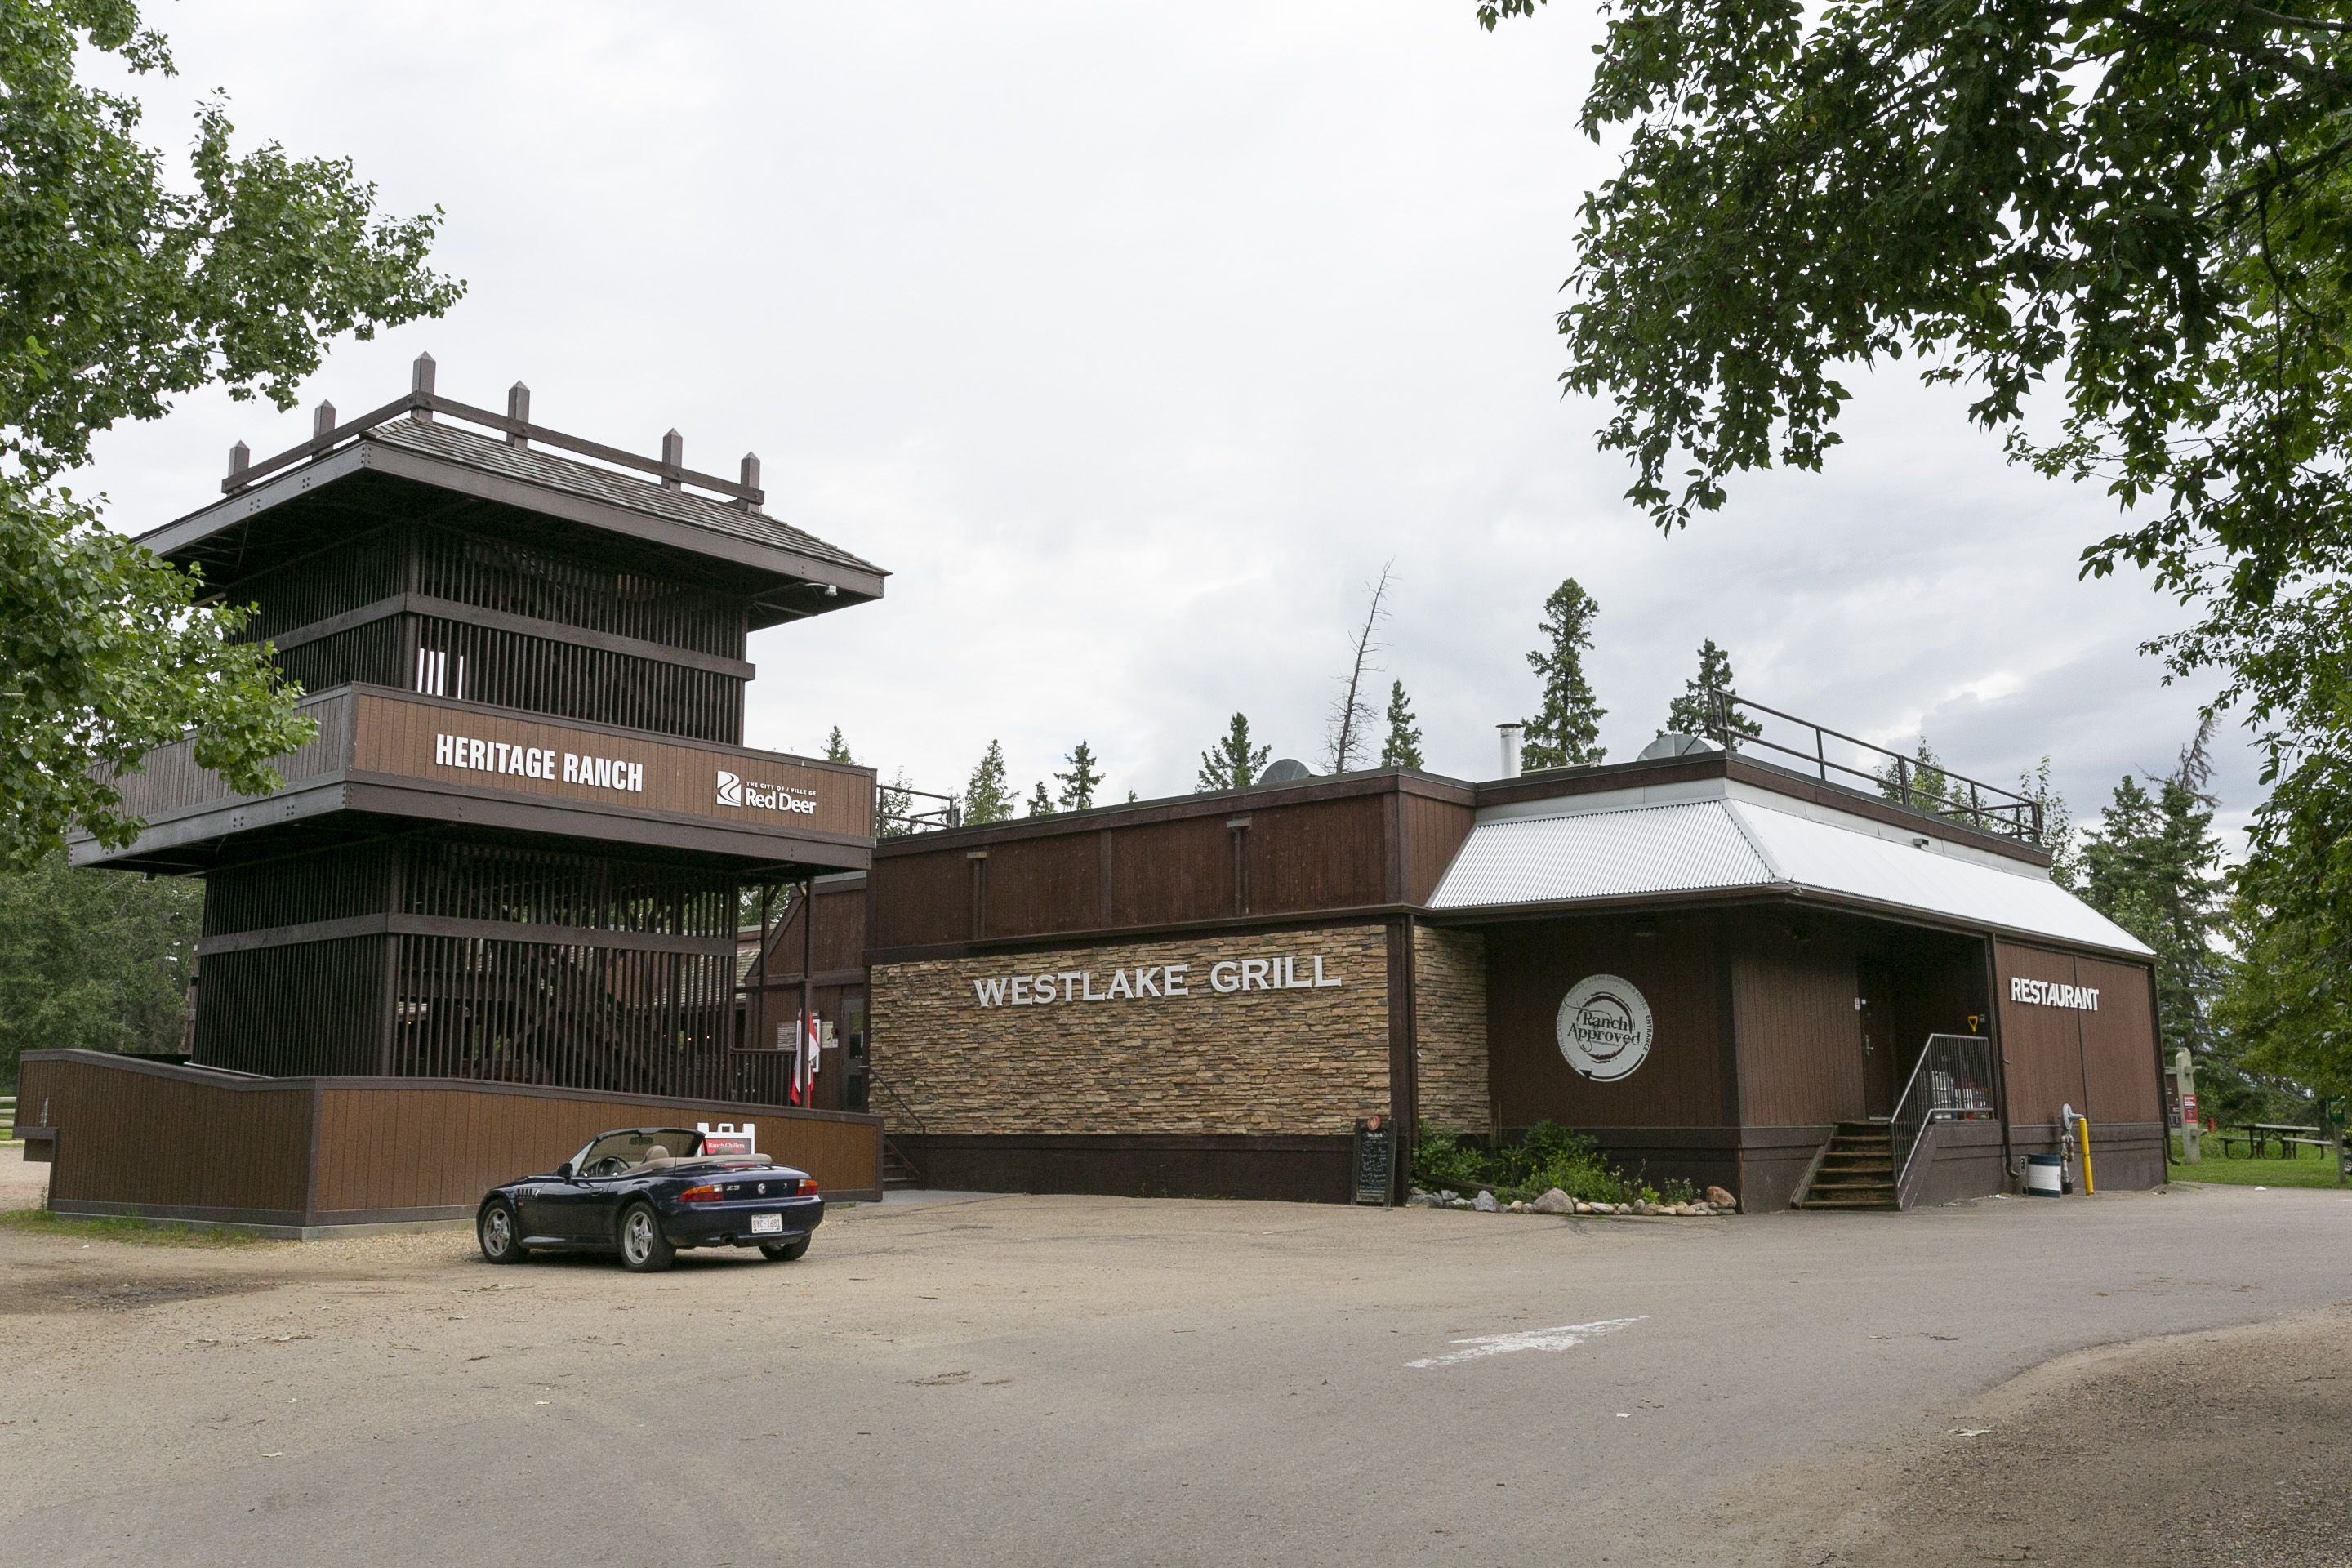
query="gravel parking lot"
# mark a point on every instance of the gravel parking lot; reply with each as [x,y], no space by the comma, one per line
[1026,1380]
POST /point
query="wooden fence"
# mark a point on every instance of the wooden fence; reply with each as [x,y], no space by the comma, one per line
[313,1155]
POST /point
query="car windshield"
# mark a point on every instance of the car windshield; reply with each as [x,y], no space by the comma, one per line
[613,1153]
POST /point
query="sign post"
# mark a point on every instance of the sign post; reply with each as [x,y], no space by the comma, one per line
[2184,1078]
[1375,1159]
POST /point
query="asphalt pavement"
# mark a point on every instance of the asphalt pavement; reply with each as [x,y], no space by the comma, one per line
[1051,1380]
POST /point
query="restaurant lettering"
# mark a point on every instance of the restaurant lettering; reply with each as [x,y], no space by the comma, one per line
[535,762]
[1154,980]
[2048,993]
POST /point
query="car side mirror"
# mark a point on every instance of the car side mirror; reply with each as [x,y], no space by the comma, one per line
[563,1172]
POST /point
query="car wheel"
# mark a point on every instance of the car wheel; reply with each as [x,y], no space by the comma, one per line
[500,1233]
[642,1250]
[790,1252]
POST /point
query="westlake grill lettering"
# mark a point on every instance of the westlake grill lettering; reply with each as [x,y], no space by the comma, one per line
[533,763]
[1152,981]
[2048,993]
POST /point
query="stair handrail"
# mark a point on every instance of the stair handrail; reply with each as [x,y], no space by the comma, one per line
[875,1079]
[1947,1059]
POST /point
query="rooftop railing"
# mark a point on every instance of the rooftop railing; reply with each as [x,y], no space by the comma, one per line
[1739,725]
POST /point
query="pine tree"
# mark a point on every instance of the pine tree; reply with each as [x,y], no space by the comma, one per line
[2155,869]
[2057,824]
[1566,732]
[988,798]
[1403,748]
[837,750]
[1688,714]
[1041,804]
[1079,783]
[1231,762]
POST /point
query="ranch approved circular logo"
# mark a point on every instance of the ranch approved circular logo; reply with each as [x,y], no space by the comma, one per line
[1604,1027]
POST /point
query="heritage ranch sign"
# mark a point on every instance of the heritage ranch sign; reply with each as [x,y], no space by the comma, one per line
[1154,982]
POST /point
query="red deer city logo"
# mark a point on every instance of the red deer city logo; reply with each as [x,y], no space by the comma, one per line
[737,791]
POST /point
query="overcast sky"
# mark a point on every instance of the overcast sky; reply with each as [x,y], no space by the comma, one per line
[1134,340]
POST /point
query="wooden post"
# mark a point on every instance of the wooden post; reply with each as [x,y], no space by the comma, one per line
[322,422]
[672,458]
[2184,1078]
[518,410]
[749,480]
[241,458]
[420,385]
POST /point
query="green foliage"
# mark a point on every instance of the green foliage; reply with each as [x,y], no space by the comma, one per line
[894,804]
[1547,1156]
[1402,749]
[1919,781]
[94,961]
[1566,731]
[116,294]
[1688,715]
[2154,868]
[988,798]
[1041,804]
[2058,834]
[1233,762]
[837,750]
[103,656]
[1078,786]
[136,1232]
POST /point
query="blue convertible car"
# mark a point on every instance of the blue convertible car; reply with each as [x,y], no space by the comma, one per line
[644,1193]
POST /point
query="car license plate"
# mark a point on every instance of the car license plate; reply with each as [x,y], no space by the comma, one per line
[767,1224]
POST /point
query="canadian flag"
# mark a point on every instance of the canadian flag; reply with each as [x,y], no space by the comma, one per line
[808,1054]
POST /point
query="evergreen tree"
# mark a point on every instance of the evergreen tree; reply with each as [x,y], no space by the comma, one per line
[1040,803]
[2154,867]
[1566,732]
[1404,747]
[837,750]
[1233,762]
[893,806]
[99,960]
[1688,715]
[988,798]
[1079,783]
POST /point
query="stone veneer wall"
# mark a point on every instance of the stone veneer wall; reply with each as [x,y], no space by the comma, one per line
[1449,984]
[1250,1061]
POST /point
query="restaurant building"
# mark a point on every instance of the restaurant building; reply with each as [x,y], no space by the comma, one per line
[1724,966]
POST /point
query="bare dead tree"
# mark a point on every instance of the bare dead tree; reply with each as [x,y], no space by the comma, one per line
[1352,718]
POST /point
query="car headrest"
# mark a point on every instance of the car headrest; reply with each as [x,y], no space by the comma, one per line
[658,1152]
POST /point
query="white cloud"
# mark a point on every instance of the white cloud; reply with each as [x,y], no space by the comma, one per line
[1133,341]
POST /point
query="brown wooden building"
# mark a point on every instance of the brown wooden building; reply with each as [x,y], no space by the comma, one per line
[522,844]
[1708,962]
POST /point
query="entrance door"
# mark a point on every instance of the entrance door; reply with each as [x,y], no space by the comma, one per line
[1874,996]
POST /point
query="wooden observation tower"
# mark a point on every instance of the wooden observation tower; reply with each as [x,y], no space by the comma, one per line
[518,847]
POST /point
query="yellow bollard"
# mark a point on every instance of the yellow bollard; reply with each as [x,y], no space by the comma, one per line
[2084,1123]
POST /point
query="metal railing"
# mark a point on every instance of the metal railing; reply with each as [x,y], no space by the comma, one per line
[899,810]
[1952,1082]
[1933,789]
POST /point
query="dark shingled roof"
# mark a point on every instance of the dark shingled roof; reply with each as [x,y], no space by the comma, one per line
[531,466]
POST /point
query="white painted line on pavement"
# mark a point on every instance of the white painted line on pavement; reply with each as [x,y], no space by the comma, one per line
[1558,1338]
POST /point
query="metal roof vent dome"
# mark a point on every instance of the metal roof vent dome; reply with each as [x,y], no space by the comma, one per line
[1673,744]
[1289,770]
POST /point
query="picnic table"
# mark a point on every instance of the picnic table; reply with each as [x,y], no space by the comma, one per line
[2258,1135]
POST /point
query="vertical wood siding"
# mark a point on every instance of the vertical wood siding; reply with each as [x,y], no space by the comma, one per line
[1801,1061]
[2040,1047]
[1530,969]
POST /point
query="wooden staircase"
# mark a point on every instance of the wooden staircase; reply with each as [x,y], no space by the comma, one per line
[897,1175]
[1857,1170]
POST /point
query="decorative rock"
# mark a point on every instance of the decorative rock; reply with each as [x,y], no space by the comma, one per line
[1684,1209]
[1518,1207]
[1448,1195]
[1555,1202]
[1424,1201]
[1485,1204]
[1701,1209]
[1641,1205]
[1721,1201]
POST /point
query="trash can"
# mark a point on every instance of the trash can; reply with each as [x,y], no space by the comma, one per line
[2045,1175]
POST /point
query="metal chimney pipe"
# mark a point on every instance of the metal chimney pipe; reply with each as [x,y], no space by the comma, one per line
[1510,748]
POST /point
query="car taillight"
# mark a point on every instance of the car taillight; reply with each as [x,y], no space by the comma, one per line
[702,1195]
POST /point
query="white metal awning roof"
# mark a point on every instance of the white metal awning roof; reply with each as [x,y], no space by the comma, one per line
[1703,846]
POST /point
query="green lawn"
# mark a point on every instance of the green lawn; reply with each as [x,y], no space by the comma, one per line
[2306,1170]
[41,1222]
